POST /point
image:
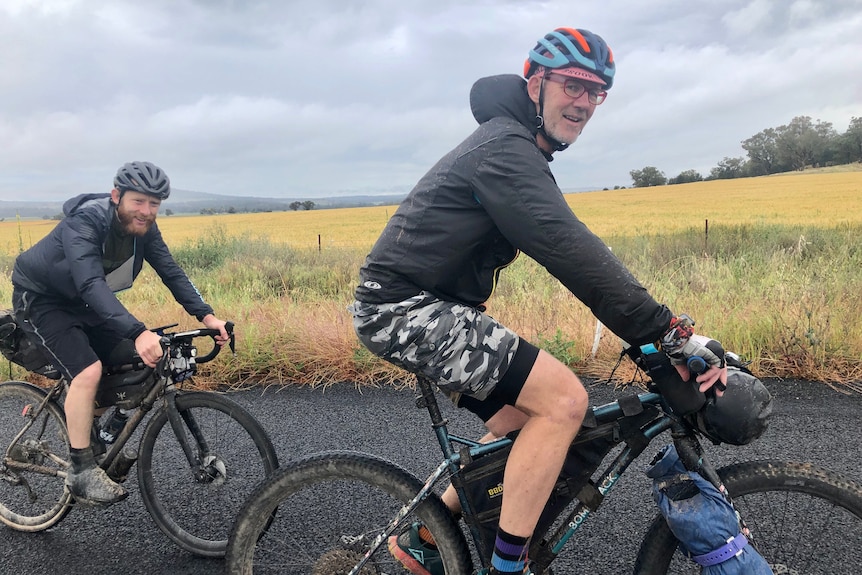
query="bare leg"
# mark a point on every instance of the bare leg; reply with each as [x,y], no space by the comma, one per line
[80,405]
[555,401]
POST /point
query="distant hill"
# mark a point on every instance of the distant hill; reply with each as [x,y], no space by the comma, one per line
[190,202]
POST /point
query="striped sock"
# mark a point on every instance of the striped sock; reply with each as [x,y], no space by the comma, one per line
[510,553]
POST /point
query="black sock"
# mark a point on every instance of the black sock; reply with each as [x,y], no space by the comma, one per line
[82,458]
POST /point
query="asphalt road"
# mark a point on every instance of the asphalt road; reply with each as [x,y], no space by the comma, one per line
[811,422]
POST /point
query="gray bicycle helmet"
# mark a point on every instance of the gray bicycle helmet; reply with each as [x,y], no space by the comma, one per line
[741,414]
[143,177]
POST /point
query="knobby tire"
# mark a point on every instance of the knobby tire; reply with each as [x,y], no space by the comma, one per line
[48,501]
[330,507]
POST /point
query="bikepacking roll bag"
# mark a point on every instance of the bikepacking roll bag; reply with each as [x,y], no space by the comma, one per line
[20,350]
[702,519]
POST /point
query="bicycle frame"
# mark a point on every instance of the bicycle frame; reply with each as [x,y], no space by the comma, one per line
[164,386]
[682,434]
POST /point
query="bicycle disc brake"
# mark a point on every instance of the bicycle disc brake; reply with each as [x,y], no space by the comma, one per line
[213,471]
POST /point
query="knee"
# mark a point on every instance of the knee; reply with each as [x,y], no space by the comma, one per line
[553,391]
[88,379]
[572,401]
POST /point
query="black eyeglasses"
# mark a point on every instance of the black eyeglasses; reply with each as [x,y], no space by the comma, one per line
[575,89]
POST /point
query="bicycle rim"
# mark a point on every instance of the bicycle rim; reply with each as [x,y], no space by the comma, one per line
[804,520]
[32,501]
[331,507]
[197,513]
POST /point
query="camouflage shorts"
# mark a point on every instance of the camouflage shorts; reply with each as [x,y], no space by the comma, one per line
[456,346]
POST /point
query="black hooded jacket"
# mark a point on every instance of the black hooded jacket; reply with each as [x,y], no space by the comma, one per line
[67,264]
[487,199]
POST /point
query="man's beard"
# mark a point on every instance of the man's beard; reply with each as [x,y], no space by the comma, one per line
[127,223]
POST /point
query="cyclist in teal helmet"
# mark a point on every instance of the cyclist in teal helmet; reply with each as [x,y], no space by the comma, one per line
[579,60]
[423,289]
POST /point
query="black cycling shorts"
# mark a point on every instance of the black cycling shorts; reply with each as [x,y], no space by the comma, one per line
[509,387]
[72,335]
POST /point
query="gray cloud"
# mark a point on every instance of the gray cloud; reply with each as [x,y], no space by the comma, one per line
[309,99]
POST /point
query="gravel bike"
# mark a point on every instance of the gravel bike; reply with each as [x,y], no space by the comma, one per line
[336,510]
[200,453]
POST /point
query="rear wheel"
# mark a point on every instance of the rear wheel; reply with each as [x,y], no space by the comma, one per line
[331,508]
[196,507]
[33,496]
[804,520]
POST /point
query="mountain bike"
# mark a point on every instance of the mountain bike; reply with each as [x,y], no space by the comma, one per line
[200,453]
[332,513]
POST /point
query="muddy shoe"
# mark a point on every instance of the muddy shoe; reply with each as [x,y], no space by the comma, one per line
[92,486]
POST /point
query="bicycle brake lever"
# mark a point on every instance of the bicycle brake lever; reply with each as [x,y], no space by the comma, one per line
[228,326]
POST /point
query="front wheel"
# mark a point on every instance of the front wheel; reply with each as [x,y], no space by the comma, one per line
[331,507]
[33,497]
[804,520]
[196,505]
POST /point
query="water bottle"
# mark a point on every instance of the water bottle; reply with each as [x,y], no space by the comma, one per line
[115,425]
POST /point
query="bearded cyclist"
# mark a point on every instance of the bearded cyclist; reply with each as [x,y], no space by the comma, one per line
[64,298]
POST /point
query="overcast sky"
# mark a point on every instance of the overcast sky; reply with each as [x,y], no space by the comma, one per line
[335,97]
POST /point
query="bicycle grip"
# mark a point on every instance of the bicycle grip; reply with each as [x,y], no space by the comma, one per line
[696,364]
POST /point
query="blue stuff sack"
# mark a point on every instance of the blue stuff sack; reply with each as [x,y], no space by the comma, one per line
[702,519]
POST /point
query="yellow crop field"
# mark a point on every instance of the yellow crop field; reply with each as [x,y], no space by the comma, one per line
[817,199]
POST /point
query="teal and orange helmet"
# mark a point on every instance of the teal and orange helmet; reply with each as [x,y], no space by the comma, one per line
[584,54]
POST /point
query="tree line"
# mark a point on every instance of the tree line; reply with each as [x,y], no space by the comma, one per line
[800,144]
[306,205]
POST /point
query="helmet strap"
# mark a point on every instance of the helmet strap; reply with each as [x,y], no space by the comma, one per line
[557,145]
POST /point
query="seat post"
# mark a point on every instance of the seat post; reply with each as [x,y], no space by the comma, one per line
[428,400]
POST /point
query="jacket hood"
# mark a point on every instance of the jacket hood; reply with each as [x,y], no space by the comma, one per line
[504,95]
[71,205]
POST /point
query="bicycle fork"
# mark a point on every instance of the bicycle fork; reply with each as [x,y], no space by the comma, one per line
[691,454]
[206,468]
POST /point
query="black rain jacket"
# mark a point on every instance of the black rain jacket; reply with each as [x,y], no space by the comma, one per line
[67,265]
[487,199]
